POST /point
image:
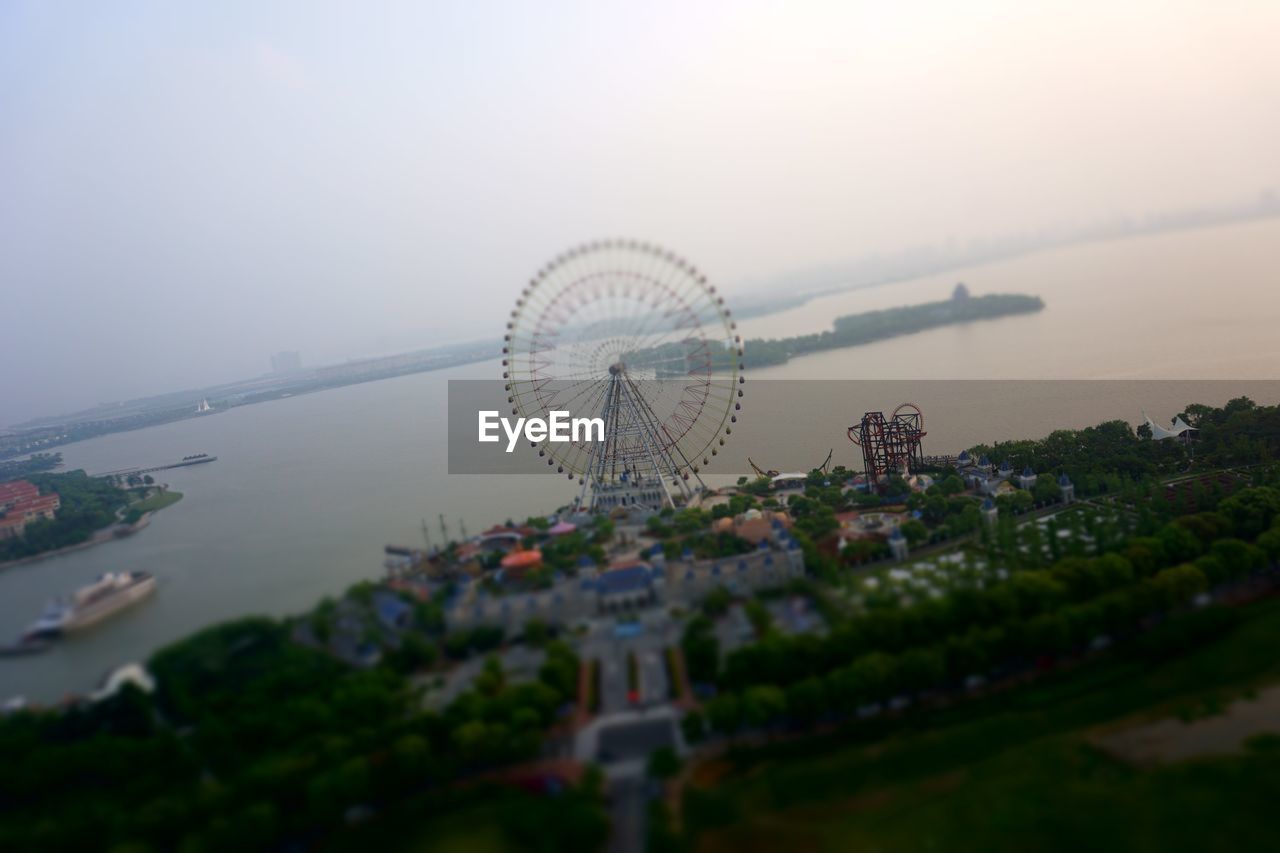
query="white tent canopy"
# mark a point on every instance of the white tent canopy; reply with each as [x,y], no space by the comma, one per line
[1158,432]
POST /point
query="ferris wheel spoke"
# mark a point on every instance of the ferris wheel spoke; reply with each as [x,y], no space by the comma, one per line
[593,393]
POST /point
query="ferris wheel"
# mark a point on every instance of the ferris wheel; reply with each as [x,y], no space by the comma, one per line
[634,335]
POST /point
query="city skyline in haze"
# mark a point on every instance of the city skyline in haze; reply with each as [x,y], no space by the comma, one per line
[189,190]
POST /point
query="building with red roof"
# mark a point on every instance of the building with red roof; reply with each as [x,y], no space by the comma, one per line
[16,490]
[20,504]
[10,527]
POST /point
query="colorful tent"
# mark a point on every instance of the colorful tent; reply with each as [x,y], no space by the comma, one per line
[522,559]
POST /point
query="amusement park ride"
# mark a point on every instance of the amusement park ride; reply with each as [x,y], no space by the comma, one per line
[890,445]
[632,334]
[773,472]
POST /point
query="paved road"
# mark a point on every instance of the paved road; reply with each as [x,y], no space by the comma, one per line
[734,630]
[628,808]
[602,643]
[628,736]
[613,683]
[621,743]
[653,676]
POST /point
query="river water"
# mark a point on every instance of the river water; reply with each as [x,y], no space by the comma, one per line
[307,490]
[1199,304]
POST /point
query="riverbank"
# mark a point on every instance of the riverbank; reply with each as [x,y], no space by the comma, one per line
[106,534]
[319,483]
[144,508]
[152,503]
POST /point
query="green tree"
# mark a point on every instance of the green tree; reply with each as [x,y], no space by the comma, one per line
[491,680]
[806,701]
[763,704]
[694,726]
[724,712]
[536,633]
[1269,542]
[333,791]
[1252,510]
[701,649]
[415,652]
[664,763]
[1177,585]
[1178,544]
[716,602]
[411,755]
[915,531]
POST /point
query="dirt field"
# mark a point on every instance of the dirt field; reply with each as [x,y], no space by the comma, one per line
[1174,740]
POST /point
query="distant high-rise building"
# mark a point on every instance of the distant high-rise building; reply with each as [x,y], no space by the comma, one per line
[286,362]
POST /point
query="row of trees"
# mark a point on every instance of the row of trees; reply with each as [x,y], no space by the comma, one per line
[848,331]
[1038,612]
[251,740]
[14,469]
[856,329]
[687,530]
[1098,459]
[1241,432]
[1111,456]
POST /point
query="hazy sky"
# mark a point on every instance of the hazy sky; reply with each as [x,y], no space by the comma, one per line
[187,188]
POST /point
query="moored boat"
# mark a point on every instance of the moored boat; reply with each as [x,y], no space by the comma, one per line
[89,605]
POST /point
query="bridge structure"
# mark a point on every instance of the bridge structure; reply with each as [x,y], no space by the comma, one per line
[943,461]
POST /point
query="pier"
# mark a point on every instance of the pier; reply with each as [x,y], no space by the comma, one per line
[185,463]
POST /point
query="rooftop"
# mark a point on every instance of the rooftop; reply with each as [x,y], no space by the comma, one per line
[630,579]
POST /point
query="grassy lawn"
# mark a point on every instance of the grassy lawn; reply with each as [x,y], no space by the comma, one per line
[157,501]
[1016,771]
[477,820]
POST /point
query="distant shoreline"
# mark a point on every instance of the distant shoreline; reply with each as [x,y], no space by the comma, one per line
[225,397]
[867,327]
[756,361]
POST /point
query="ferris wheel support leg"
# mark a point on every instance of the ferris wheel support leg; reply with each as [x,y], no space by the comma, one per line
[595,464]
[645,414]
[638,412]
[657,470]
